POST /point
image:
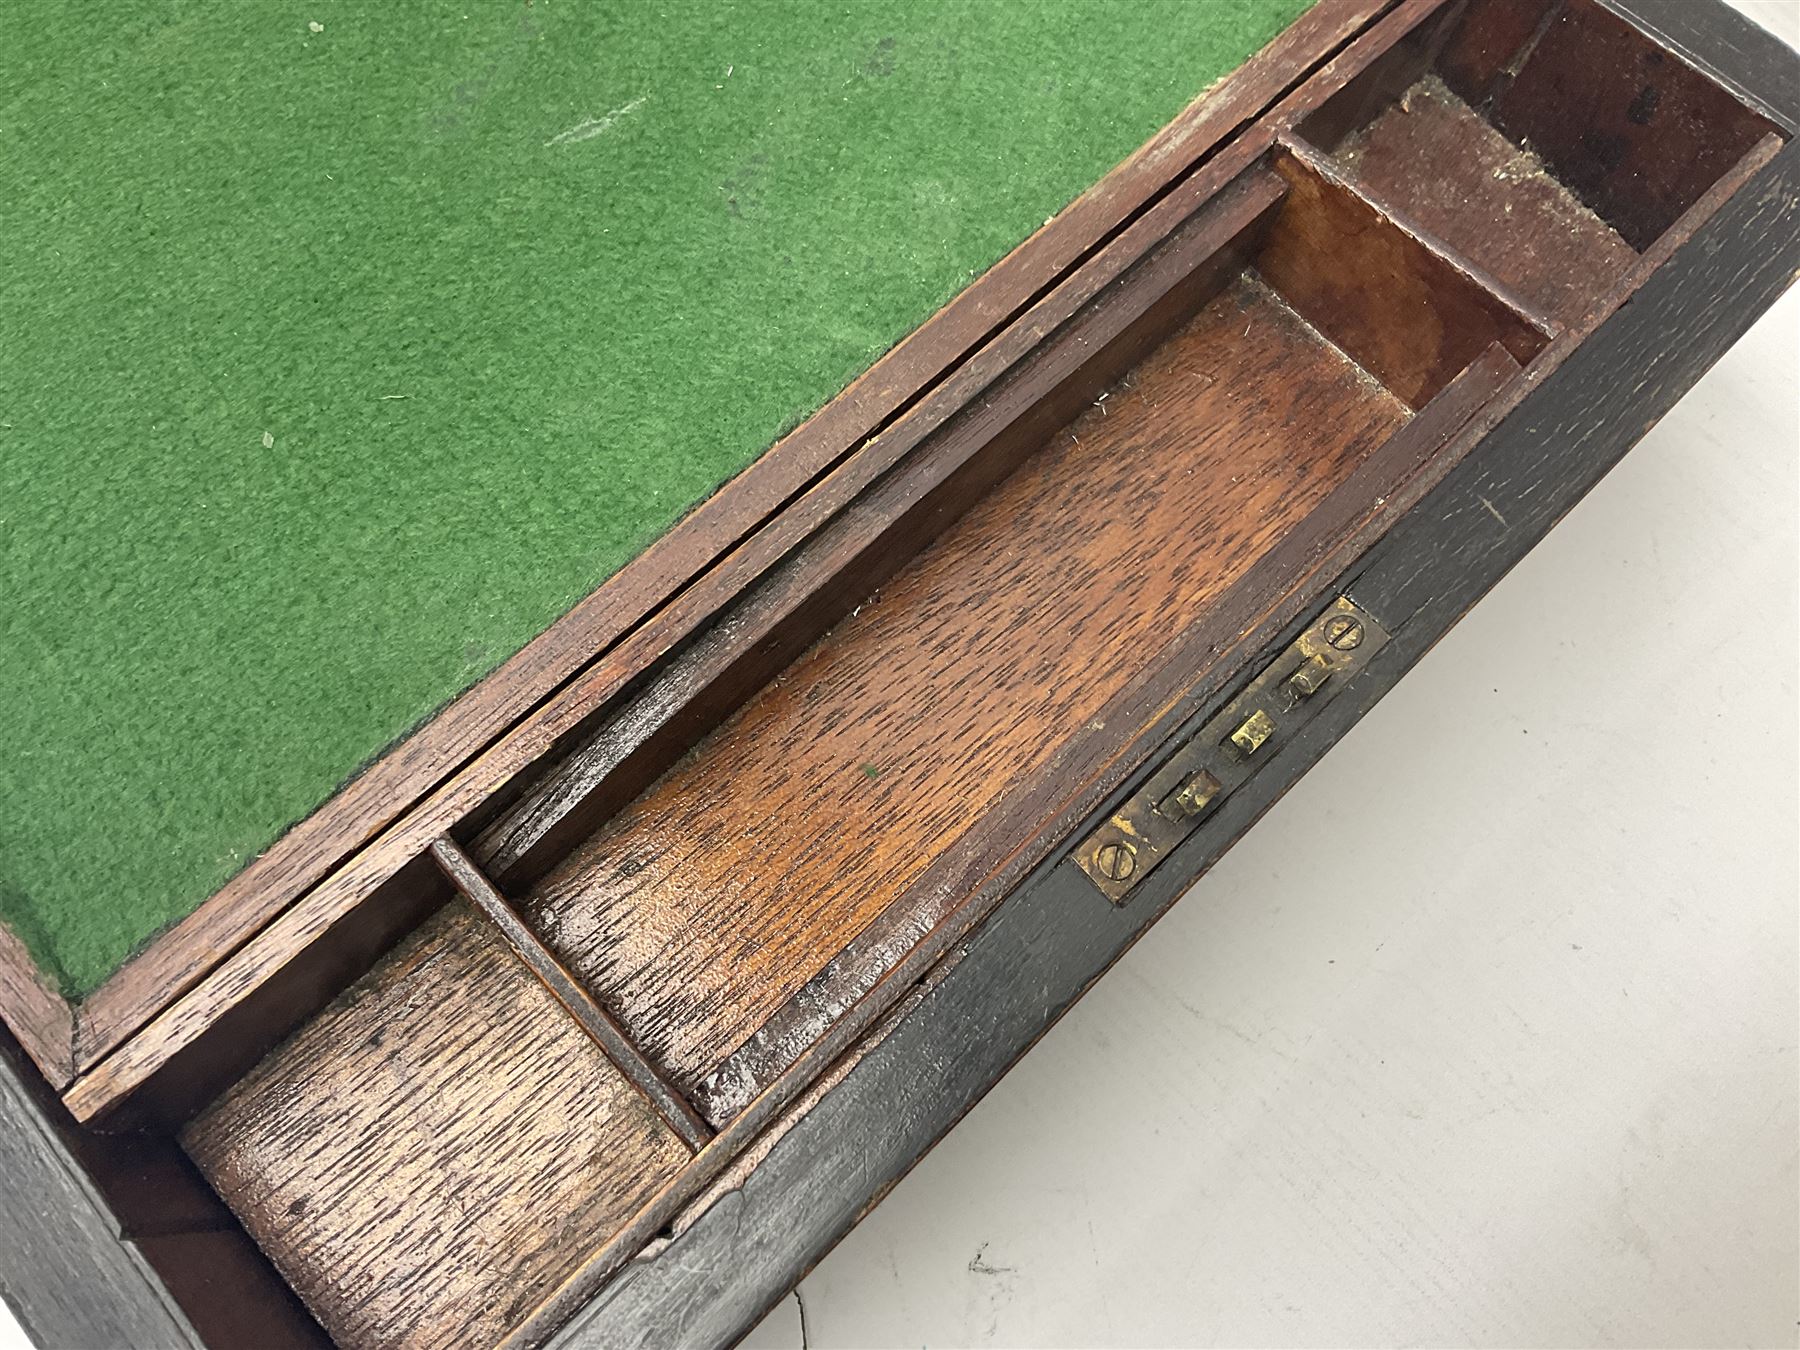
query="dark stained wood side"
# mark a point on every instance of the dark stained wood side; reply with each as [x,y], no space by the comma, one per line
[404,775]
[1431,160]
[65,1271]
[1728,47]
[117,1240]
[713,898]
[430,1156]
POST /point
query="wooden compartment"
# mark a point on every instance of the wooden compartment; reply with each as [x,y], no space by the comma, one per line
[714,898]
[1549,142]
[784,866]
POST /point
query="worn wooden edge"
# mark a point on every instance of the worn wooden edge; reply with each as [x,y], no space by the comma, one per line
[41,1018]
[226,989]
[403,775]
[738,1247]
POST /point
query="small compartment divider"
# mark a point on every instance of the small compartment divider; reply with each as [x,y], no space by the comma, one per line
[475,887]
[1405,307]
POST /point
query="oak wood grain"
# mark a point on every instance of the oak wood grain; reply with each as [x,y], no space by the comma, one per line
[435,1151]
[38,1015]
[718,894]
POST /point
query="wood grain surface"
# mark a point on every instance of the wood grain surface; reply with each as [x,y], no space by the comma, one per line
[478,890]
[439,1148]
[719,893]
[41,1018]
[1434,162]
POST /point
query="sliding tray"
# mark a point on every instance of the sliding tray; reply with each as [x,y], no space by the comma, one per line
[620,1029]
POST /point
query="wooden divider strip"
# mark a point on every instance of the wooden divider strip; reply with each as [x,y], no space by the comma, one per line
[473,883]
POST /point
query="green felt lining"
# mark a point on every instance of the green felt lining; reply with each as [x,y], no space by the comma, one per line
[336,364]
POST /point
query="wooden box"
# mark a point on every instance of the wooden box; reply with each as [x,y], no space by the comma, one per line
[597,1014]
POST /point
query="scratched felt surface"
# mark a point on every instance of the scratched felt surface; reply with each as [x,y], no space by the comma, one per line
[336,363]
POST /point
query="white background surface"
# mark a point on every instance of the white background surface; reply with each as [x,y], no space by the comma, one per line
[1525,1074]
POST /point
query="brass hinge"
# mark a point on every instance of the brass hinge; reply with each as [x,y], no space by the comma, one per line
[1224,753]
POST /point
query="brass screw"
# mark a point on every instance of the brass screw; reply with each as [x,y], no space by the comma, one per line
[1115,861]
[1344,633]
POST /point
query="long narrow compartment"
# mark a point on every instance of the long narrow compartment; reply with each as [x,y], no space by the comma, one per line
[444,1131]
[1387,269]
[719,893]
[844,790]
